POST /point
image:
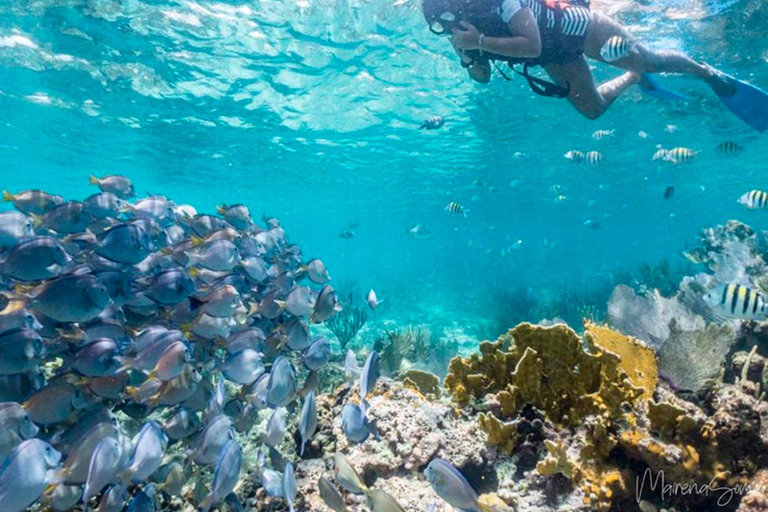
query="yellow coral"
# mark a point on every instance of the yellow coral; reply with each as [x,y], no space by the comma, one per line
[638,360]
[557,461]
[423,382]
[547,367]
[501,434]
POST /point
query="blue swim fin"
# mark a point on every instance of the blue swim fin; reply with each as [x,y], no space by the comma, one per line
[651,86]
[748,103]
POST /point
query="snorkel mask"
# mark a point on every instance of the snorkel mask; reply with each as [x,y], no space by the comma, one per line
[442,15]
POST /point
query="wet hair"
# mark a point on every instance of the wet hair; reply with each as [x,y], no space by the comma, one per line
[432,9]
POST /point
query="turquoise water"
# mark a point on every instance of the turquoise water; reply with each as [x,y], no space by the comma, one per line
[309,111]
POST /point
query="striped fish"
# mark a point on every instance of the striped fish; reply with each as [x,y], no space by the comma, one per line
[661,154]
[456,208]
[729,148]
[737,301]
[433,123]
[594,158]
[754,199]
[574,156]
[681,155]
[616,48]
[602,134]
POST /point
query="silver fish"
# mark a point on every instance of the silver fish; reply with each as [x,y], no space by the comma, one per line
[113,498]
[68,218]
[451,486]
[144,500]
[182,424]
[281,387]
[297,331]
[316,272]
[256,269]
[125,243]
[222,301]
[317,355]
[71,298]
[251,338]
[289,486]
[15,427]
[354,424]
[221,255]
[307,420]
[331,496]
[368,378]
[380,501]
[300,302]
[170,287]
[217,432]
[103,467]
[121,186]
[103,205]
[372,300]
[147,455]
[13,227]
[346,475]
[20,351]
[63,497]
[34,259]
[276,427]
[226,474]
[171,362]
[97,359]
[326,305]
[33,202]
[23,474]
[352,370]
[17,319]
[54,404]
[272,481]
[78,461]
[243,367]
[237,214]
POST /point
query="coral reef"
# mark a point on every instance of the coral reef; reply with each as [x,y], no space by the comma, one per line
[346,324]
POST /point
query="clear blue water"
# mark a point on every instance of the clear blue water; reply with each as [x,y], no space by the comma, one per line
[309,111]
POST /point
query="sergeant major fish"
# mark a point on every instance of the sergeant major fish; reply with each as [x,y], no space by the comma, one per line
[737,301]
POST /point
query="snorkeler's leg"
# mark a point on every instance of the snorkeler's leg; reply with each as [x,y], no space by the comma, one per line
[644,60]
[589,99]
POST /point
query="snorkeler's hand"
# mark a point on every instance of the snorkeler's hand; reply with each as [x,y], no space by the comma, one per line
[467,39]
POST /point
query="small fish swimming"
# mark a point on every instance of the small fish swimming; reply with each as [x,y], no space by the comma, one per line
[432,123]
[282,383]
[419,232]
[13,227]
[660,154]
[331,496]
[23,474]
[225,475]
[276,427]
[669,192]
[372,300]
[729,148]
[754,199]
[103,467]
[617,48]
[681,155]
[452,486]
[120,186]
[603,134]
[697,256]
[33,202]
[307,420]
[346,476]
[368,378]
[576,157]
[456,208]
[737,301]
[354,424]
[289,486]
[594,159]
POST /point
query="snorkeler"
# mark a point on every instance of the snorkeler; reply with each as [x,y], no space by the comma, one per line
[559,36]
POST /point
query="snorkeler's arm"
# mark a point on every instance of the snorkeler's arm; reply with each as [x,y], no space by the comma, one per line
[526,43]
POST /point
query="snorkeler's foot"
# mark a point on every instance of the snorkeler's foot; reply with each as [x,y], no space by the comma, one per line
[720,83]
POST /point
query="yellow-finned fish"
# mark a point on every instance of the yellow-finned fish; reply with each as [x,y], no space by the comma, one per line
[754,199]
[456,208]
[617,47]
[737,301]
[697,255]
[681,155]
[594,158]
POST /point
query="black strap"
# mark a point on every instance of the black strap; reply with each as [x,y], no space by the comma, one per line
[537,85]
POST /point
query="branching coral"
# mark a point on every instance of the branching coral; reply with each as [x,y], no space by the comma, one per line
[547,367]
[346,324]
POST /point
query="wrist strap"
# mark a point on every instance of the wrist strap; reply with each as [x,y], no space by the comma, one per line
[480,43]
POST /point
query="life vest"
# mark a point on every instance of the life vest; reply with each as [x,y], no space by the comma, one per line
[562,25]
